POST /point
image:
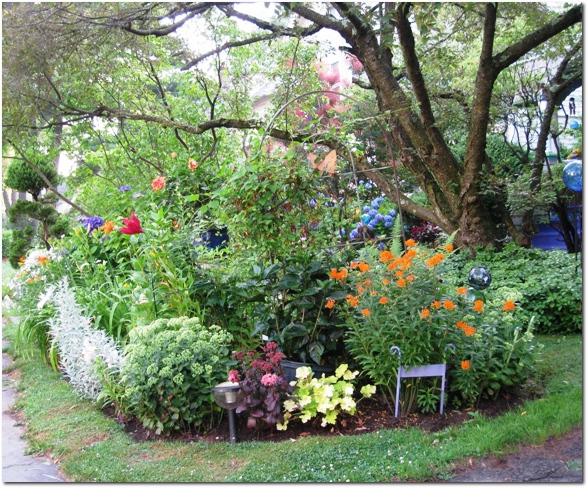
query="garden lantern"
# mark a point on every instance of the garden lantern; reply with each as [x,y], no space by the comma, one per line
[479,279]
[228,395]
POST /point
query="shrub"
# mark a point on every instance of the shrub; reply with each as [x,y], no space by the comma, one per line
[402,301]
[554,298]
[170,370]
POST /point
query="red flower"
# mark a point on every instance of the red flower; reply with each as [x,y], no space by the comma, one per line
[133,226]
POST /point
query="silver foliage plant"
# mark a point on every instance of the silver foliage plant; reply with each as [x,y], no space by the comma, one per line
[80,344]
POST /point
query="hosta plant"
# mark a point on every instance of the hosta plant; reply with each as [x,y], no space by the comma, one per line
[324,397]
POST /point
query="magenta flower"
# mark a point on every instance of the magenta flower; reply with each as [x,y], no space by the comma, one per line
[133,226]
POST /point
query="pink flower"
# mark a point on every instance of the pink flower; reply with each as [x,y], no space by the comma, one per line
[192,164]
[133,226]
[234,376]
[158,183]
[269,379]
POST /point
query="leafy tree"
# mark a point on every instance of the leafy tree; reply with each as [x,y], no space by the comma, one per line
[427,68]
[22,177]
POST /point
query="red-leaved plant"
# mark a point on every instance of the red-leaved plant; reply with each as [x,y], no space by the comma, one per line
[262,380]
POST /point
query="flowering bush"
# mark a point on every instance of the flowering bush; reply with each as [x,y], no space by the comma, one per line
[171,367]
[328,396]
[262,380]
[402,301]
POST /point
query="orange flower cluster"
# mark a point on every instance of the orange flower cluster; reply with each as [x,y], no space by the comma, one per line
[352,300]
[465,365]
[425,313]
[410,243]
[366,312]
[478,306]
[330,303]
[401,283]
[449,247]
[383,300]
[43,260]
[386,256]
[386,281]
[448,305]
[508,306]
[436,304]
[462,290]
[435,260]
[361,265]
[338,275]
[468,329]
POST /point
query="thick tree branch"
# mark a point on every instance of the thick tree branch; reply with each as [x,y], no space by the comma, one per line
[517,50]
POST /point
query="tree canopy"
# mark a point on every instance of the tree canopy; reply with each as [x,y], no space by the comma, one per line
[428,73]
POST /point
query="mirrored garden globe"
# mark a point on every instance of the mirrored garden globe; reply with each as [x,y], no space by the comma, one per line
[572,176]
[479,278]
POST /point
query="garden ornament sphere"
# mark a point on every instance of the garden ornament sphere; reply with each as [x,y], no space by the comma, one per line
[572,176]
[574,125]
[479,277]
[227,395]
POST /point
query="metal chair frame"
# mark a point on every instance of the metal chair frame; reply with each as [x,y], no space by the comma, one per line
[429,370]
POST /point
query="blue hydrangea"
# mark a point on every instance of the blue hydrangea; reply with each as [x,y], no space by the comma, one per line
[382,246]
[392,213]
[375,204]
[366,209]
[93,223]
[354,234]
[361,182]
[388,221]
[370,227]
[342,233]
[372,213]
[124,188]
[380,200]
[379,217]
[369,186]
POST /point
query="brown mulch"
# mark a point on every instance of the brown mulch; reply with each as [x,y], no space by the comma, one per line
[372,414]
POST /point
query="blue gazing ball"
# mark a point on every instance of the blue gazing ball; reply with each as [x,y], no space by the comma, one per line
[572,176]
[574,124]
[365,218]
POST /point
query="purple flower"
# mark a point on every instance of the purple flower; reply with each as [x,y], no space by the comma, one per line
[93,223]
[137,195]
[124,188]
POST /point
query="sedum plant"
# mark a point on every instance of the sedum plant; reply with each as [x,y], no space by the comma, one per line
[327,396]
[170,370]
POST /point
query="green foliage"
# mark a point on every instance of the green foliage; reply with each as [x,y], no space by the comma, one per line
[294,301]
[20,244]
[327,396]
[21,177]
[170,369]
[6,238]
[554,298]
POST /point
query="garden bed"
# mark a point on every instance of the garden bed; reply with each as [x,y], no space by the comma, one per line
[372,415]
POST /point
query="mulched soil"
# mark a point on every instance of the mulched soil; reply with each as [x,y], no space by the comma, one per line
[372,415]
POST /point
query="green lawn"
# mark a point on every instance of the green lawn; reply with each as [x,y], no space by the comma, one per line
[91,447]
